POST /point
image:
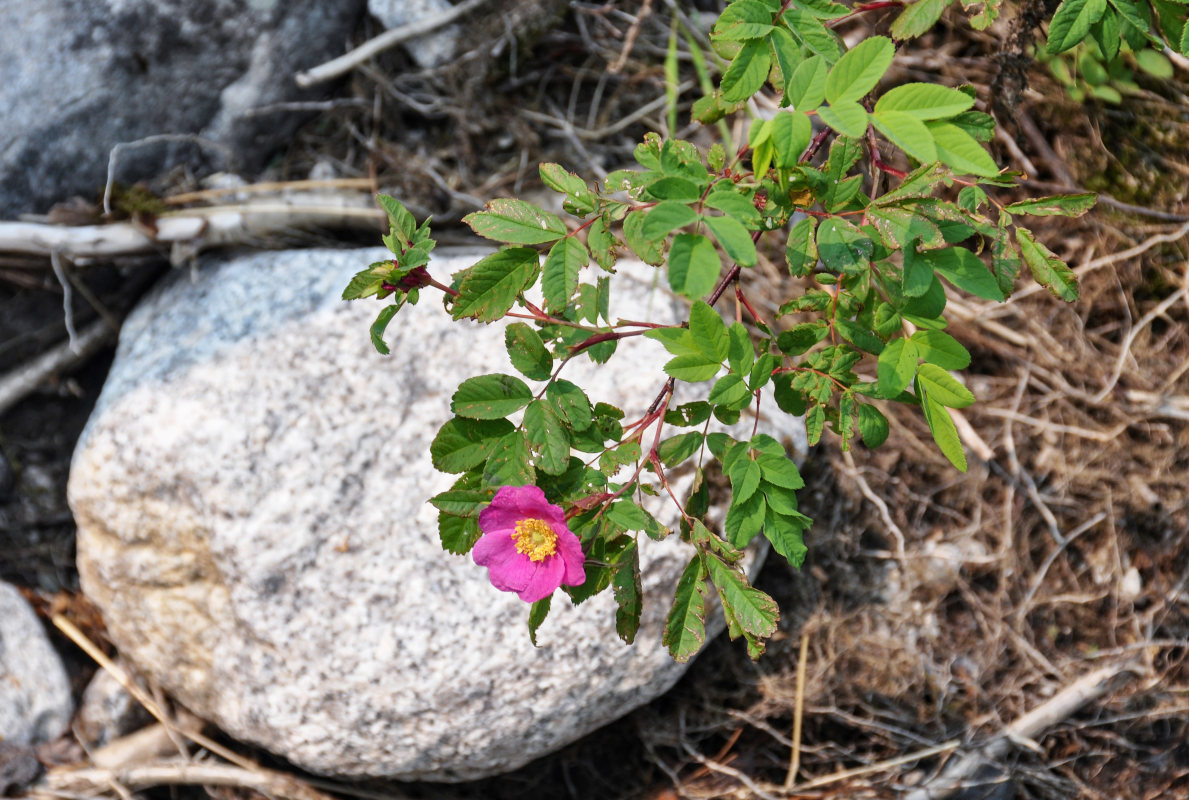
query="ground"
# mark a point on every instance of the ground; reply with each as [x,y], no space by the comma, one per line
[934,606]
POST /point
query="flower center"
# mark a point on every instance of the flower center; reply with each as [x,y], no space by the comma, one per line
[535,539]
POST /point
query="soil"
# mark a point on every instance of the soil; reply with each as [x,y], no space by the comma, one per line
[934,606]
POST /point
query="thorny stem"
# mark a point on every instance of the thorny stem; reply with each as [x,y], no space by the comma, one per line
[863,9]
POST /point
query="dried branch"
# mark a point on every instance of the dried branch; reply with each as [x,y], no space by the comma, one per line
[18,384]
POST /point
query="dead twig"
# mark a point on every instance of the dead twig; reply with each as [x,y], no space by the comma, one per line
[18,384]
[385,41]
[1024,729]
[145,776]
[798,709]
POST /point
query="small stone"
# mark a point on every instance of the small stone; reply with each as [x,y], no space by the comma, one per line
[431,50]
[107,711]
[251,503]
[1131,586]
[35,702]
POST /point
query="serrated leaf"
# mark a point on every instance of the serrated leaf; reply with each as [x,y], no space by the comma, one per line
[490,396]
[650,251]
[943,387]
[667,216]
[742,20]
[918,17]
[744,520]
[400,222]
[547,432]
[815,423]
[629,595]
[458,534]
[896,367]
[779,470]
[580,200]
[692,368]
[1061,205]
[807,88]
[873,426]
[859,69]
[708,332]
[812,33]
[380,325]
[537,613]
[735,205]
[907,132]
[731,391]
[685,627]
[673,189]
[734,238]
[785,534]
[859,336]
[559,276]
[677,341]
[924,101]
[845,116]
[571,404]
[754,611]
[799,338]
[601,243]
[791,132]
[510,462]
[960,150]
[516,222]
[491,286]
[365,283]
[843,247]
[747,72]
[901,226]
[1071,22]
[945,434]
[462,444]
[938,347]
[1004,258]
[801,247]
[965,270]
[527,352]
[741,353]
[694,265]
[1049,271]
[675,449]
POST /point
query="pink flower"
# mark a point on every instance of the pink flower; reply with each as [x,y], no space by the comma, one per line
[526,545]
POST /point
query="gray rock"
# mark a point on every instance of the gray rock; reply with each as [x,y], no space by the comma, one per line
[81,77]
[261,552]
[107,711]
[428,51]
[35,702]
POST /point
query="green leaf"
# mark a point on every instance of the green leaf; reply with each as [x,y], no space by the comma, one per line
[1049,271]
[799,338]
[510,464]
[464,498]
[938,347]
[873,426]
[677,341]
[491,286]
[1004,257]
[807,88]
[896,367]
[958,149]
[666,217]
[791,132]
[527,352]
[747,72]
[859,69]
[537,613]
[916,185]
[571,404]
[734,238]
[1061,205]
[462,444]
[779,470]
[812,33]
[708,332]
[367,282]
[675,449]
[741,353]
[843,247]
[943,387]
[1139,21]
[547,432]
[580,200]
[674,189]
[801,247]
[730,390]
[785,534]
[685,627]
[458,534]
[400,222]
[859,336]
[490,397]
[559,277]
[743,20]
[965,270]
[845,116]
[601,243]
[692,368]
[815,423]
[735,205]
[754,612]
[629,595]
[918,17]
[380,325]
[924,100]
[902,226]
[1071,23]
[650,251]
[907,132]
[943,430]
[516,222]
[693,265]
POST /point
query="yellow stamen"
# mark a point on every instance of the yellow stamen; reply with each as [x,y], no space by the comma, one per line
[535,539]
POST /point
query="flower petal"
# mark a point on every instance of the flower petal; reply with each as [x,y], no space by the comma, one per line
[544,580]
[570,552]
[493,549]
[513,575]
[498,518]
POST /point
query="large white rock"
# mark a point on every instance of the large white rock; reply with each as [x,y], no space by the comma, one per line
[250,495]
[35,702]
